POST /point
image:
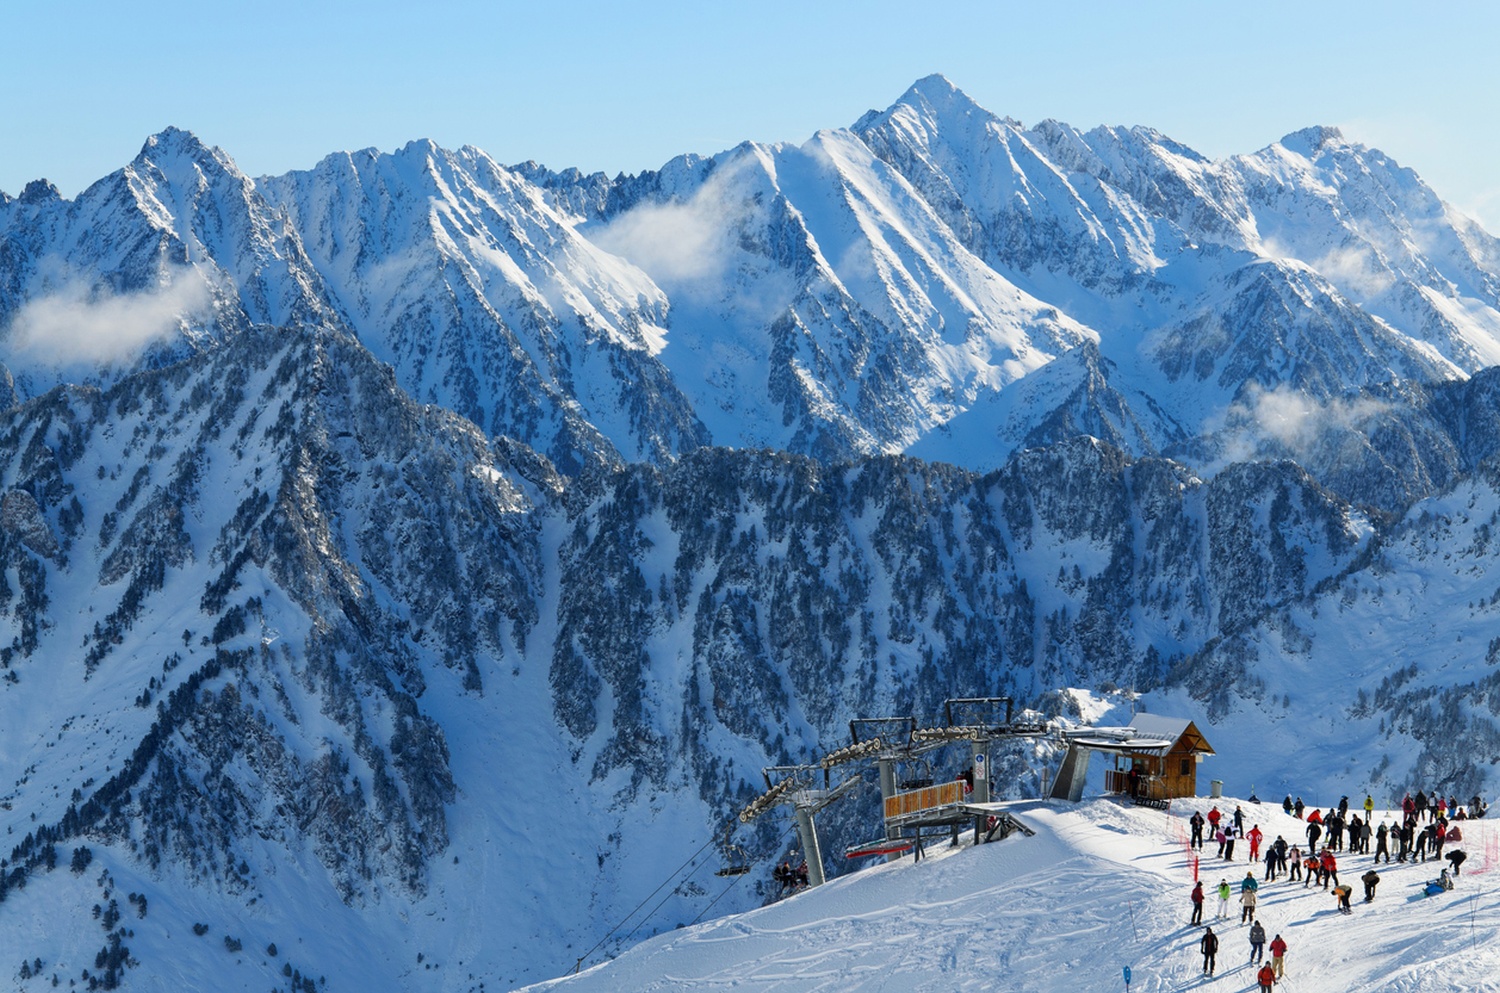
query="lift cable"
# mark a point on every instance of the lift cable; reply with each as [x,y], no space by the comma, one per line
[691,858]
[735,881]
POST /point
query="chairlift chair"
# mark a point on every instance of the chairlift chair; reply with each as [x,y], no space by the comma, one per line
[920,775]
[736,859]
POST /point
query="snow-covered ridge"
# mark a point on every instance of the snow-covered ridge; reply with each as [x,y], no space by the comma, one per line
[890,287]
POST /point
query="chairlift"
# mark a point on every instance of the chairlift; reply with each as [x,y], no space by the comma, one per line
[920,775]
[736,859]
[790,874]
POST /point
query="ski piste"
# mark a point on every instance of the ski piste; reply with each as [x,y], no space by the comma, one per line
[1099,892]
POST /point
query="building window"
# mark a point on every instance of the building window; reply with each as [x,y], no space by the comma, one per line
[1186,767]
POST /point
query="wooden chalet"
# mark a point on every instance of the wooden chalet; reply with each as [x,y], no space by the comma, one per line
[1154,759]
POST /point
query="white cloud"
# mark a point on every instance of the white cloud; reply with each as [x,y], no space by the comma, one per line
[1290,422]
[79,324]
[685,242]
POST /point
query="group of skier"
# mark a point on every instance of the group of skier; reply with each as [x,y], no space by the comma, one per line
[1339,831]
[789,878]
[1268,973]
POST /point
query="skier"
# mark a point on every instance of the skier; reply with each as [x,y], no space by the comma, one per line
[1214,817]
[1223,900]
[1371,879]
[1247,905]
[1255,837]
[1294,859]
[1210,946]
[1341,893]
[1381,848]
[1257,940]
[1222,839]
[1314,832]
[1196,822]
[1197,898]
[1266,976]
[1239,822]
[1330,868]
[1297,808]
[1369,807]
[1278,956]
[1456,859]
[1286,805]
[1335,826]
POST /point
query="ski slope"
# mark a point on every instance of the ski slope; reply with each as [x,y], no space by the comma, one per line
[1100,887]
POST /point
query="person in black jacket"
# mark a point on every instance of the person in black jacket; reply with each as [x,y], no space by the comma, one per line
[1210,946]
[1370,879]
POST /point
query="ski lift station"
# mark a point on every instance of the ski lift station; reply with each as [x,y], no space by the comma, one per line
[1155,759]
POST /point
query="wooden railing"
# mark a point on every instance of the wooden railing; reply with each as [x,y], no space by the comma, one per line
[915,801]
[1150,787]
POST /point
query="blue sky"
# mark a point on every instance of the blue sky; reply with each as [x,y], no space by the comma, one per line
[624,87]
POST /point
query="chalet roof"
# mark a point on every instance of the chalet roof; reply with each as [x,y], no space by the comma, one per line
[1172,729]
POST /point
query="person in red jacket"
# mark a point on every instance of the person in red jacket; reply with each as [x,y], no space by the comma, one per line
[1265,977]
[1278,956]
[1255,837]
[1197,899]
[1330,868]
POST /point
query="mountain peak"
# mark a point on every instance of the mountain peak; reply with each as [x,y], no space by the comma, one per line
[935,98]
[943,97]
[173,144]
[1310,141]
[39,191]
[172,140]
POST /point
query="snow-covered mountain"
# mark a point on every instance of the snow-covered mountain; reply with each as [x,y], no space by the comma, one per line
[422,543]
[918,282]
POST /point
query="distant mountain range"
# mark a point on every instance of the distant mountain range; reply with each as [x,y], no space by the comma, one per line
[424,543]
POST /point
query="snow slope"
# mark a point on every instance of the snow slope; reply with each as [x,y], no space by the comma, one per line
[1101,887]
